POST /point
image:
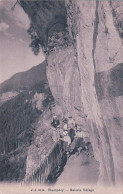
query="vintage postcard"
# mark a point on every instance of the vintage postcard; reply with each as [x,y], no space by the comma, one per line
[61,96]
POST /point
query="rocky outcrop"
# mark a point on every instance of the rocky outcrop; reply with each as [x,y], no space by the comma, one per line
[46,17]
[85,75]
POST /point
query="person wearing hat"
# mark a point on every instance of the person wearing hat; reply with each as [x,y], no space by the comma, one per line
[56,124]
[71,123]
[71,128]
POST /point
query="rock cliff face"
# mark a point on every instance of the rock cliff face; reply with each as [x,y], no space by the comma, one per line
[98,54]
[85,71]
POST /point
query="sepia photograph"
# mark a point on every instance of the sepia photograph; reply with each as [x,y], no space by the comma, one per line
[61,96]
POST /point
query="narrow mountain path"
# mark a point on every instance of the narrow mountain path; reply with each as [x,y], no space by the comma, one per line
[79,169]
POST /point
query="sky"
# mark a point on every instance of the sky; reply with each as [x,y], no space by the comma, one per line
[15,53]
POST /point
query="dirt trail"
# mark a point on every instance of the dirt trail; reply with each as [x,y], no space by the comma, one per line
[79,169]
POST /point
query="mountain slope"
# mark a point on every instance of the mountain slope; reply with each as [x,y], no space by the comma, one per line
[25,98]
[25,79]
